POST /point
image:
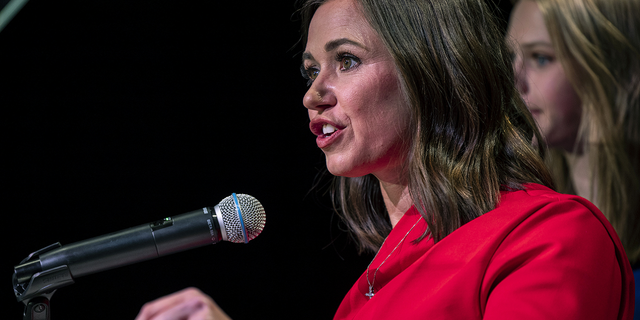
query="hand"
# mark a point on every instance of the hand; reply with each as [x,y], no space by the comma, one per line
[188,304]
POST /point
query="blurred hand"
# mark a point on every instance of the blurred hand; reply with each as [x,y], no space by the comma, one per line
[188,304]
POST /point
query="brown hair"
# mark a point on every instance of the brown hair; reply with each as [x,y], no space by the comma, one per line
[598,45]
[473,132]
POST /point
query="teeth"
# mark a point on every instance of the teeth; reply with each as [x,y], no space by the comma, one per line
[328,129]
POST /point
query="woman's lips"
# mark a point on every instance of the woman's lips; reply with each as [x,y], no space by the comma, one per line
[326,131]
[535,110]
[324,140]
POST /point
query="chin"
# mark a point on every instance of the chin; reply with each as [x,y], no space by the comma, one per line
[342,170]
[343,173]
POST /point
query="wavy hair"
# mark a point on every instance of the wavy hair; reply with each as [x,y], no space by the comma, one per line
[598,45]
[472,132]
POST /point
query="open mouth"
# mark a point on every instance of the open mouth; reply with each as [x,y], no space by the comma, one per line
[328,130]
[328,135]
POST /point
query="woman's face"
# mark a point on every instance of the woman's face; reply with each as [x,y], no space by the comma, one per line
[355,103]
[540,77]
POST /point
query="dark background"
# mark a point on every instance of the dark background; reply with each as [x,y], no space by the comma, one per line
[118,113]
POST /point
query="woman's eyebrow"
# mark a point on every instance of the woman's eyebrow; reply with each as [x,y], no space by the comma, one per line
[332,45]
[529,45]
[307,56]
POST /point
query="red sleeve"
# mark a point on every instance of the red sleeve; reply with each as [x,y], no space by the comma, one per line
[558,264]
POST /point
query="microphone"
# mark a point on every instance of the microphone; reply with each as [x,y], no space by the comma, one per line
[237,218]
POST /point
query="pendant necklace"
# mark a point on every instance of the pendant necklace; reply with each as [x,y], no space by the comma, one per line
[370,294]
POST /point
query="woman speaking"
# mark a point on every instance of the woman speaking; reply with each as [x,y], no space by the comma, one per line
[414,105]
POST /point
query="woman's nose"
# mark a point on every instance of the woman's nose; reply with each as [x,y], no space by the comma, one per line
[520,72]
[320,96]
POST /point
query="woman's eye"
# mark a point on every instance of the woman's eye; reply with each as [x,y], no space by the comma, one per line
[312,73]
[348,62]
[309,73]
[541,60]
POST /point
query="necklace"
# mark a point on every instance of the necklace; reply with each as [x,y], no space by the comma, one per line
[370,294]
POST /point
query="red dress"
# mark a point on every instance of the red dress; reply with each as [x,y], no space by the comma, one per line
[538,255]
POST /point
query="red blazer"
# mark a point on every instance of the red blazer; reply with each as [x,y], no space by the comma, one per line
[538,255]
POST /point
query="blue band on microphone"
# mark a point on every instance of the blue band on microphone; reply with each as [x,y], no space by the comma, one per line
[244,231]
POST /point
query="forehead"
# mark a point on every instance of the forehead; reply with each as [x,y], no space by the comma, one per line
[527,23]
[338,19]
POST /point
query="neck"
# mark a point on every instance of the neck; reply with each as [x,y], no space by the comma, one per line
[396,199]
[580,174]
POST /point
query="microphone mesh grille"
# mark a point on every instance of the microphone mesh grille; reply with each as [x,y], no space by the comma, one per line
[253,217]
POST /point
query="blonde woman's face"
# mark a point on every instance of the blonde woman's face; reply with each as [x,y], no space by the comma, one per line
[541,79]
[355,102]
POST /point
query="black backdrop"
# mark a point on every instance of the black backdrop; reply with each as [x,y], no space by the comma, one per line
[117,113]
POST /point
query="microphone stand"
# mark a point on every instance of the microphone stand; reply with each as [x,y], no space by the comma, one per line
[36,292]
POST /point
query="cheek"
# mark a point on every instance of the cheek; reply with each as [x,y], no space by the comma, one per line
[562,116]
[382,95]
[383,114]
[564,104]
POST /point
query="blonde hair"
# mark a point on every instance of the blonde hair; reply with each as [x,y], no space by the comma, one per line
[598,45]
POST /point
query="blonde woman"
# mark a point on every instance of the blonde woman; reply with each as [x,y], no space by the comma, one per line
[577,65]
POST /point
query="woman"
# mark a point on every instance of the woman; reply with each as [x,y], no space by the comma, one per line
[413,104]
[577,66]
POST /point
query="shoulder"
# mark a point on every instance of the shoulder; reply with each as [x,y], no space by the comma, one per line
[538,211]
[560,250]
[537,204]
[538,214]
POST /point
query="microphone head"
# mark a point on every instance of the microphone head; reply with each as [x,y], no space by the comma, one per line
[241,218]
